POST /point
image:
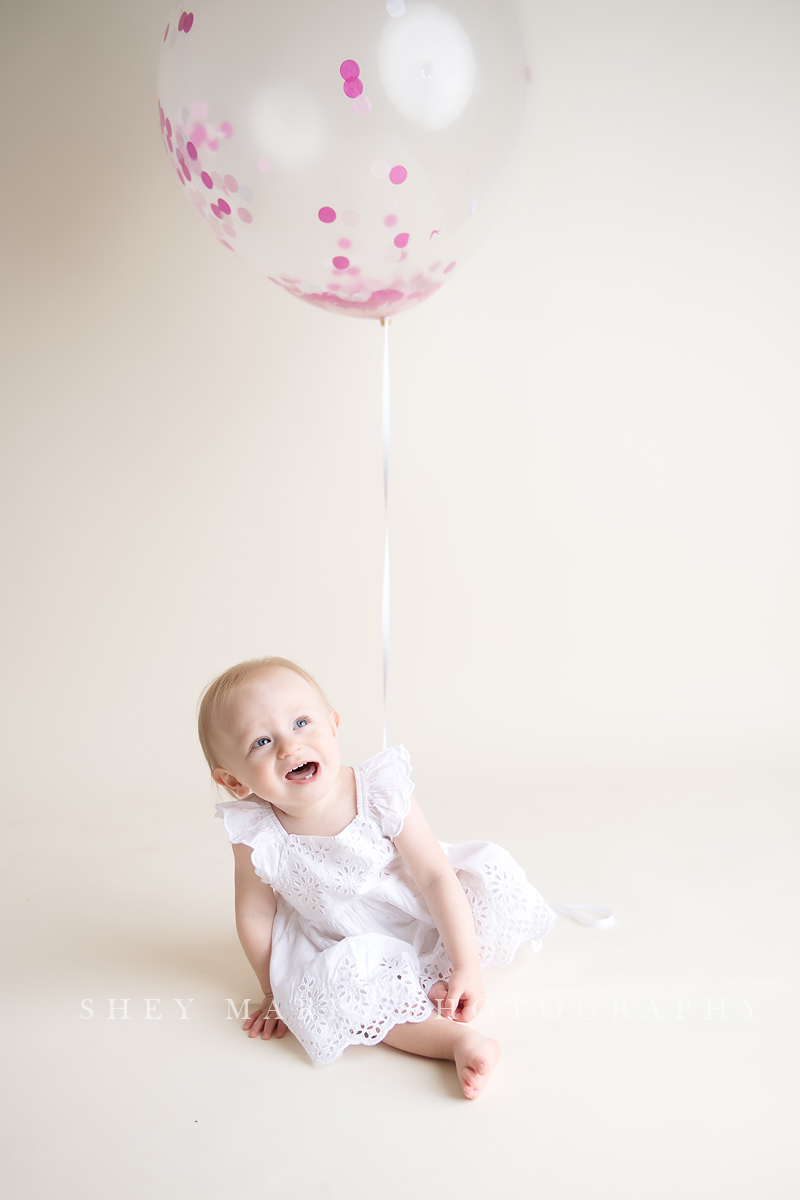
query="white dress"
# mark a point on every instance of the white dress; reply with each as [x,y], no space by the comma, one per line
[354,948]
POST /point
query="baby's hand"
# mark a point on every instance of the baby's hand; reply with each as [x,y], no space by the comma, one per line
[464,992]
[265,1020]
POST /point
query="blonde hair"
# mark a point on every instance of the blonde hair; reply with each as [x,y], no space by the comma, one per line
[217,695]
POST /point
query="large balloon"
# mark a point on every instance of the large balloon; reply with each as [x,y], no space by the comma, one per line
[345,148]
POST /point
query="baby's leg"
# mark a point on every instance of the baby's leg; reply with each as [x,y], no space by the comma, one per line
[475,1056]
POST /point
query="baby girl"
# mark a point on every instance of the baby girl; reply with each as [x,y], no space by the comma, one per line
[359,924]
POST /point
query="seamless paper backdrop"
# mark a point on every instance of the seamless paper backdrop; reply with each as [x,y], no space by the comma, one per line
[594,661]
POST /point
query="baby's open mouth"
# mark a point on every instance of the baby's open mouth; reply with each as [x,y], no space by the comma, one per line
[303,773]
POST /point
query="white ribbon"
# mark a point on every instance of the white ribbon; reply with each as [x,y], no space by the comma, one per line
[385,322]
[607,917]
[571,911]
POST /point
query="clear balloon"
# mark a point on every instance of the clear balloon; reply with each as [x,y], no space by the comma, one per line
[345,148]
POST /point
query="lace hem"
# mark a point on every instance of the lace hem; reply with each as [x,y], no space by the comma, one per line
[513,913]
[356,1009]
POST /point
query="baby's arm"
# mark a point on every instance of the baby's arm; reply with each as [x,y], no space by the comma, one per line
[449,907]
[255,912]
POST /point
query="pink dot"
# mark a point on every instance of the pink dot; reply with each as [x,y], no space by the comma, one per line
[230,184]
[216,211]
[390,220]
[244,215]
[169,127]
[448,268]
[181,22]
[327,215]
[224,206]
[166,31]
[354,271]
[362,106]
[207,180]
[198,133]
[344,243]
[187,24]
[226,128]
[212,145]
[180,176]
[341,263]
[401,240]
[352,88]
[349,69]
[169,143]
[186,171]
[191,150]
[398,175]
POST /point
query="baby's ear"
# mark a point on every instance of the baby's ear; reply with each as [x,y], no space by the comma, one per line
[230,783]
[334,719]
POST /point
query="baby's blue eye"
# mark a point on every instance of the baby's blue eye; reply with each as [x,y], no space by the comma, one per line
[259,742]
[301,722]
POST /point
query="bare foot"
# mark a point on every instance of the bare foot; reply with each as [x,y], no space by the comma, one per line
[475,1057]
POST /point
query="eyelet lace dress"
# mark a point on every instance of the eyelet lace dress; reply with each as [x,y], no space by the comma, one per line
[354,948]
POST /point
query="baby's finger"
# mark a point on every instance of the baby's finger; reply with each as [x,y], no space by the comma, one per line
[281,1030]
[452,1002]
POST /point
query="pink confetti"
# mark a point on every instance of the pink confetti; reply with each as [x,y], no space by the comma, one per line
[245,216]
[207,180]
[448,268]
[223,206]
[187,24]
[354,271]
[166,31]
[433,233]
[181,22]
[327,215]
[198,134]
[230,184]
[186,170]
[226,128]
[216,211]
[398,175]
[362,106]
[390,220]
[169,127]
[180,176]
[349,69]
[191,150]
[352,88]
[401,240]
[344,243]
[341,263]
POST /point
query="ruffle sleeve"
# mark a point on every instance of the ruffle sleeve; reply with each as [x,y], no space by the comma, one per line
[387,783]
[248,822]
[243,819]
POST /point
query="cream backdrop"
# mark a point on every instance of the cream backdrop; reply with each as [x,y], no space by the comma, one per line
[594,485]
